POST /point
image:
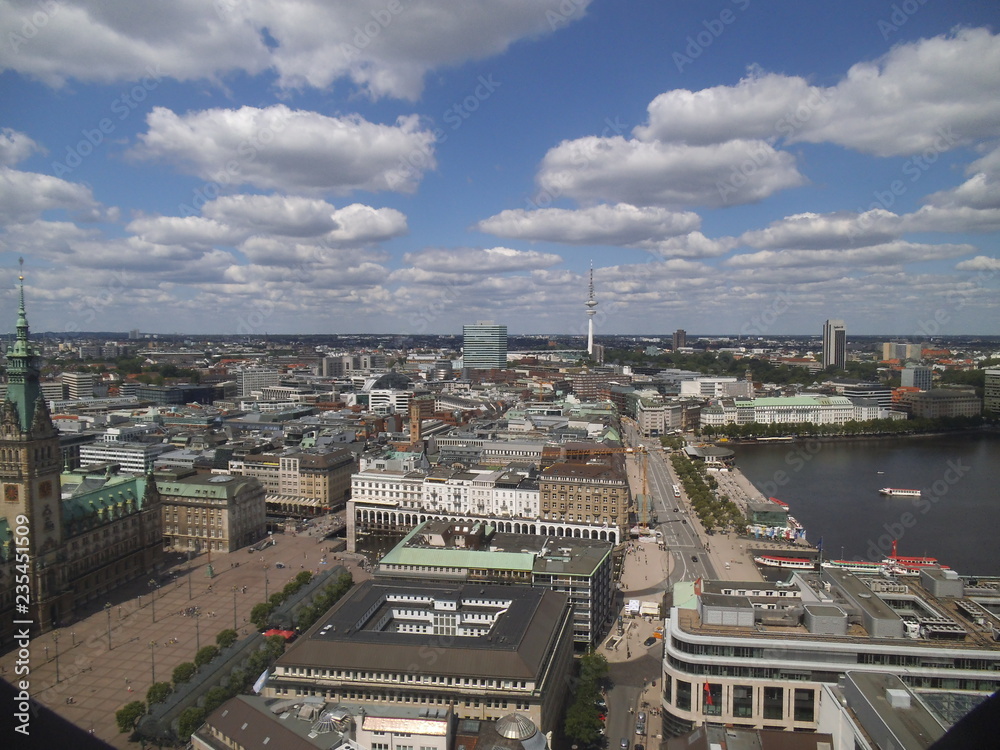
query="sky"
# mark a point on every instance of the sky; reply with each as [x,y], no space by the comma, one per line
[407,166]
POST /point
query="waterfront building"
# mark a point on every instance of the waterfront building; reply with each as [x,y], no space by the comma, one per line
[991,391]
[793,410]
[78,548]
[484,346]
[758,654]
[719,387]
[592,493]
[580,568]
[915,376]
[944,402]
[216,512]
[834,344]
[482,650]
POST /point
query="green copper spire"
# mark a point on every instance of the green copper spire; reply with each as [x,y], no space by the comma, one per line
[23,387]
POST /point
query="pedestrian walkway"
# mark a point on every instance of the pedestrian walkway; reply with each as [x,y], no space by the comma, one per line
[113,655]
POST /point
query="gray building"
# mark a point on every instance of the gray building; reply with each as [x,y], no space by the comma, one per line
[484,346]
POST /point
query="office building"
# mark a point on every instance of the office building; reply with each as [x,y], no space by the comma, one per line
[250,379]
[592,493]
[78,384]
[680,339]
[991,391]
[300,484]
[484,346]
[914,376]
[834,344]
[943,402]
[132,458]
[759,654]
[481,649]
[477,553]
[214,512]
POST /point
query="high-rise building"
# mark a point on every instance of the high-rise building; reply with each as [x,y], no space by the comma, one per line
[484,346]
[79,384]
[991,391]
[591,304]
[834,344]
[251,379]
[916,377]
[680,338]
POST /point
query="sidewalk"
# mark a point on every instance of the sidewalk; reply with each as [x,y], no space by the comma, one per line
[101,679]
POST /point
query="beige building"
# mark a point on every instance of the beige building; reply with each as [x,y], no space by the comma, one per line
[944,402]
[302,483]
[593,492]
[216,512]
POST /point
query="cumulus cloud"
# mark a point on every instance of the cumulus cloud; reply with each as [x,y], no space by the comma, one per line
[818,231]
[980,263]
[480,261]
[15,147]
[618,224]
[386,49]
[593,169]
[25,195]
[692,245]
[291,150]
[890,252]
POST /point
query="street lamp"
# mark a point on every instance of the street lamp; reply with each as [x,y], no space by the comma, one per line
[55,639]
[152,596]
[265,581]
[107,608]
[235,589]
[189,572]
[152,660]
[197,632]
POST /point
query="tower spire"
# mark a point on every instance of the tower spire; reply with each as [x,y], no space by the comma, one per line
[591,303]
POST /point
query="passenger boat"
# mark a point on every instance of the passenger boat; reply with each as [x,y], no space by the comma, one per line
[778,561]
[896,492]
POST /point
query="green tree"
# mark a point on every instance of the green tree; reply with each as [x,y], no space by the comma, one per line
[127,716]
[183,672]
[205,655]
[215,697]
[226,638]
[189,721]
[158,692]
[260,613]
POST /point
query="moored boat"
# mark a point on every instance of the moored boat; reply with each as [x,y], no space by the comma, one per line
[779,561]
[897,492]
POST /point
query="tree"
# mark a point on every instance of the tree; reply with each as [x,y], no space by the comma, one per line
[226,638]
[183,672]
[127,716]
[205,655]
[260,613]
[158,692]
[215,697]
[189,721]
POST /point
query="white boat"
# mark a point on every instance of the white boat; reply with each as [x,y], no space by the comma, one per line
[777,561]
[896,492]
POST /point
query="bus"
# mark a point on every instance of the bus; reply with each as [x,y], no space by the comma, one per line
[677,490]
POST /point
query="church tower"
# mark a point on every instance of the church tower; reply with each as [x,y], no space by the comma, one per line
[30,465]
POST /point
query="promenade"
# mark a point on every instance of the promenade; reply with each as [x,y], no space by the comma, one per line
[113,654]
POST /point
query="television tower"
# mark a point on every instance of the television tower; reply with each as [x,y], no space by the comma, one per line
[591,303]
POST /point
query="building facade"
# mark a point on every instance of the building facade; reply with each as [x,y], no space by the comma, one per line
[484,346]
[991,391]
[834,344]
[214,512]
[593,493]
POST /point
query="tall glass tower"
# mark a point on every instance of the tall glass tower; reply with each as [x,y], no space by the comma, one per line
[834,344]
[484,346]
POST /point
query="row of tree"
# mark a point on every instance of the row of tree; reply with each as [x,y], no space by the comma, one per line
[583,718]
[714,511]
[849,428]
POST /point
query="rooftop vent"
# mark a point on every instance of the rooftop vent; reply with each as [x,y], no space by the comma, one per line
[897,698]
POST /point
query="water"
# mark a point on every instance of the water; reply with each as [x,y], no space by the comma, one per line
[832,488]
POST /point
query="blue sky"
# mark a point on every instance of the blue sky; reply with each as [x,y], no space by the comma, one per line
[407,166]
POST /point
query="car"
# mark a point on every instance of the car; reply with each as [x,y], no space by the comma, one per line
[624,743]
[640,728]
[649,641]
[279,565]
[694,558]
[639,747]
[677,510]
[684,520]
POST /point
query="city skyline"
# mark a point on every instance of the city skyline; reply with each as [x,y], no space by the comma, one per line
[242,168]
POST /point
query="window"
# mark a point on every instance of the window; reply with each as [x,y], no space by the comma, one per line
[805,704]
[742,701]
[774,702]
[683,695]
[712,699]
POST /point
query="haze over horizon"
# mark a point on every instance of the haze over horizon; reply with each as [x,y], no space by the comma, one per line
[250,166]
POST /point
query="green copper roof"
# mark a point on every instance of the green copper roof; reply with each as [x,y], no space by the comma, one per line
[120,495]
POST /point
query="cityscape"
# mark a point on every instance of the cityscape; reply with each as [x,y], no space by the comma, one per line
[514,375]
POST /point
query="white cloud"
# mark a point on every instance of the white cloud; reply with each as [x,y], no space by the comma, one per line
[618,224]
[16,146]
[194,231]
[980,263]
[480,261]
[819,231]
[693,245]
[593,169]
[890,252]
[385,48]
[25,195]
[290,150]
